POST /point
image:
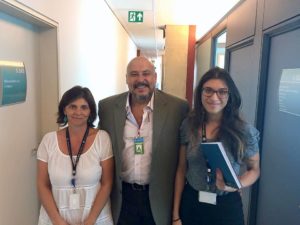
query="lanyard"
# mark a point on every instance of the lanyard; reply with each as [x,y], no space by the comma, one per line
[209,177]
[204,139]
[74,164]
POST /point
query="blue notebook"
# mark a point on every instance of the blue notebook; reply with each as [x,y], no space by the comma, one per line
[217,158]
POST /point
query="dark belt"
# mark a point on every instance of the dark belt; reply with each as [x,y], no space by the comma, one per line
[135,186]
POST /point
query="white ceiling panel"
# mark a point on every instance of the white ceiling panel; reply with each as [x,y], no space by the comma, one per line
[148,35]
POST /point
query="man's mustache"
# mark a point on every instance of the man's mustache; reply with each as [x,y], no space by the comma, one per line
[138,84]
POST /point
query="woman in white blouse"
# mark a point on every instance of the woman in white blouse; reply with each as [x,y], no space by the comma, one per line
[75,166]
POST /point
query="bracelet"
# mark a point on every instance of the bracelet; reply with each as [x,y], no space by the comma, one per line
[176,219]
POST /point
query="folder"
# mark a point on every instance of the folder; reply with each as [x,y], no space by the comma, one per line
[216,156]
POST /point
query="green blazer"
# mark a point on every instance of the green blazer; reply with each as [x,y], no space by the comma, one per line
[169,112]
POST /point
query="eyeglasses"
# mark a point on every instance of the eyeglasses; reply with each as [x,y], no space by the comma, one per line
[221,93]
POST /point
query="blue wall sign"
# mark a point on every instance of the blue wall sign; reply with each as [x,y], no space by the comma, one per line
[13,83]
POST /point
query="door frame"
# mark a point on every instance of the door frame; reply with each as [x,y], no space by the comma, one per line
[268,34]
[49,55]
[47,68]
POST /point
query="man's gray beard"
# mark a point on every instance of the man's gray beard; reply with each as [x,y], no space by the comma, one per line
[142,98]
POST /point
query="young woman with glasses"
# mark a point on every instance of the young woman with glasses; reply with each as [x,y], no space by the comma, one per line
[201,195]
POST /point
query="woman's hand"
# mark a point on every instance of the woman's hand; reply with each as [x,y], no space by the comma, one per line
[221,184]
[177,222]
[61,222]
[88,222]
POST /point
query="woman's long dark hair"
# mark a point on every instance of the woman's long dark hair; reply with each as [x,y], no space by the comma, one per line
[231,130]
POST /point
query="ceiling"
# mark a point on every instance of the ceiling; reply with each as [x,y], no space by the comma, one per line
[149,34]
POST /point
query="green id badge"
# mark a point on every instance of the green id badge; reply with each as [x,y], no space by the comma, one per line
[139,146]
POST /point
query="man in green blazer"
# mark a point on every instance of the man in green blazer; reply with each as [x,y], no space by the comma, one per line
[144,125]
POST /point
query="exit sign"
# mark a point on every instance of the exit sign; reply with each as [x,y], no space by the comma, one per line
[135,16]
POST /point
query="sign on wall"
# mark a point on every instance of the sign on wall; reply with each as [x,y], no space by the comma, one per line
[135,16]
[289,91]
[13,83]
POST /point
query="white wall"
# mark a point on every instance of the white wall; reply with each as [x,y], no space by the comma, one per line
[94,48]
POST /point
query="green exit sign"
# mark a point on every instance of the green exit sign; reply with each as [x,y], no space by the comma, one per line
[135,16]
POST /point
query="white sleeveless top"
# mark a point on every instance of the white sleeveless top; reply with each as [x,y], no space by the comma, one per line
[88,175]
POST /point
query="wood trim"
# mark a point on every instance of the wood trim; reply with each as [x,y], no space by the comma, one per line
[190,64]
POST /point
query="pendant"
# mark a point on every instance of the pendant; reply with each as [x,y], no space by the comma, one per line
[73,182]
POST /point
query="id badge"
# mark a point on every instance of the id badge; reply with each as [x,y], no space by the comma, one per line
[74,202]
[139,145]
[207,197]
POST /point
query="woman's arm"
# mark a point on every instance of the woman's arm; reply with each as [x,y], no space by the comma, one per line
[179,184]
[253,171]
[104,191]
[45,194]
[246,180]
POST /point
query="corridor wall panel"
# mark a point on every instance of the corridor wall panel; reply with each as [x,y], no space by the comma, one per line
[277,11]
[241,22]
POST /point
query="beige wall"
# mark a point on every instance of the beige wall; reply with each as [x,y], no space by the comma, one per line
[175,60]
[203,61]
